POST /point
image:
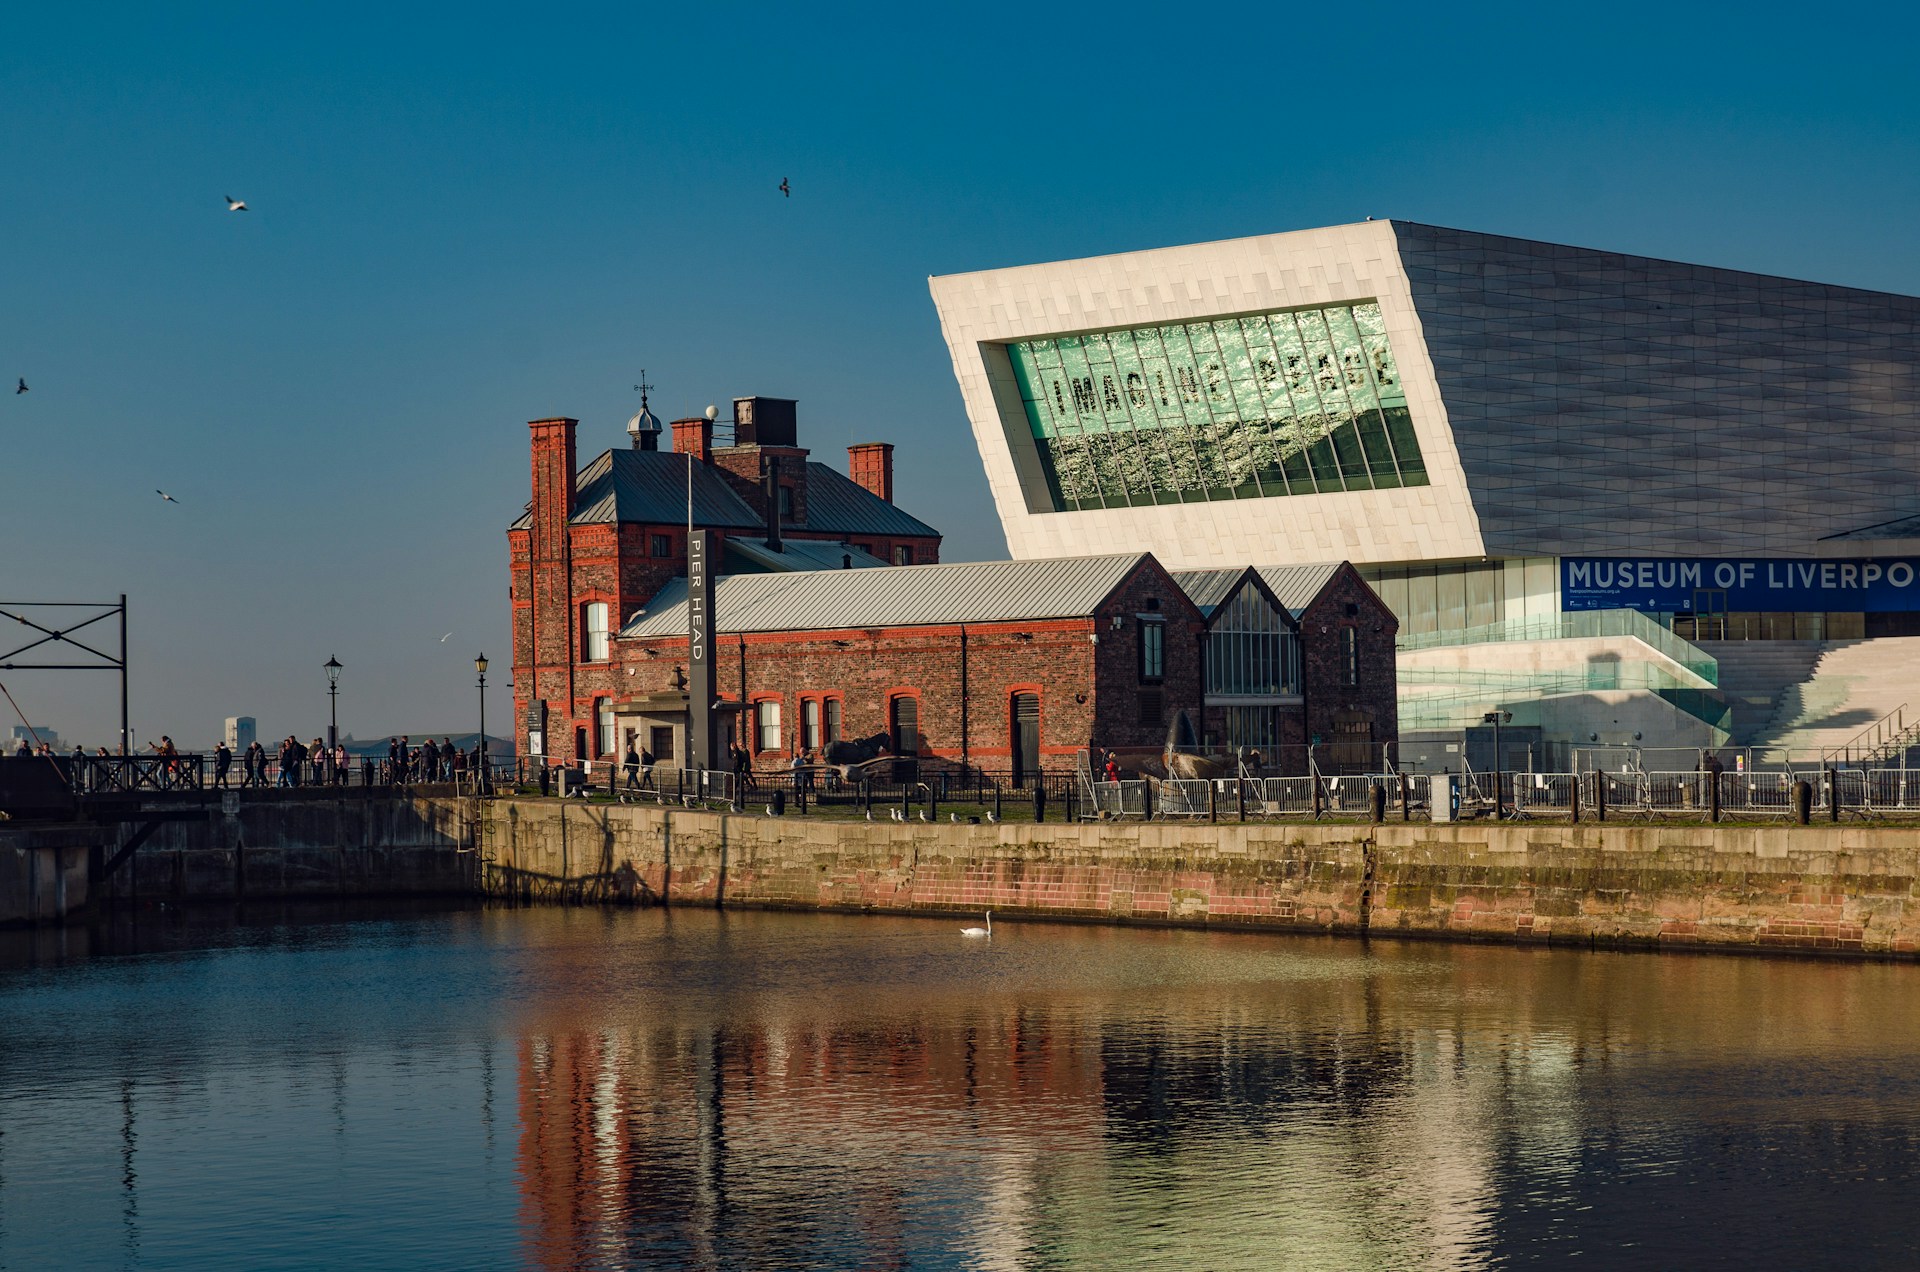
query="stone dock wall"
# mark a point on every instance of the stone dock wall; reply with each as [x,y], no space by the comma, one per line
[1833,890]
[242,845]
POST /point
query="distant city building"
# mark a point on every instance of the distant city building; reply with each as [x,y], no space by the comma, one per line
[33,735]
[240,732]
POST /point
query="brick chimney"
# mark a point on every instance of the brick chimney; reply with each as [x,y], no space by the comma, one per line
[695,437]
[554,467]
[871,465]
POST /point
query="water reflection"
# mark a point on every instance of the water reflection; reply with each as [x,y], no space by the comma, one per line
[699,1090]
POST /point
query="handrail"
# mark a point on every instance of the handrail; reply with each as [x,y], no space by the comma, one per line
[1846,749]
[1574,625]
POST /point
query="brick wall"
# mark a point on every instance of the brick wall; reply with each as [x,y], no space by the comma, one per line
[1335,708]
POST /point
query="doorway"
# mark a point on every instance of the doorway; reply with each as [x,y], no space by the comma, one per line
[1026,738]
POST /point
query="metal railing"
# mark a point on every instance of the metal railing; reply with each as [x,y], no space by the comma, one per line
[1573,626]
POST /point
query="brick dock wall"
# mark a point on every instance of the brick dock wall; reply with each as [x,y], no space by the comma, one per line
[1830,890]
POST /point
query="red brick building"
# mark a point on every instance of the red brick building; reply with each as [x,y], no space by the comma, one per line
[1015,666]
[597,543]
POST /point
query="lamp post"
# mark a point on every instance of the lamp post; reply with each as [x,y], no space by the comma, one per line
[1496,719]
[480,666]
[333,702]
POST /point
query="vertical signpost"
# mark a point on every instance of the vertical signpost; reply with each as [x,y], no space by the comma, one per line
[700,651]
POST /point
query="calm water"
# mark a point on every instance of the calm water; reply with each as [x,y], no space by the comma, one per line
[548,1088]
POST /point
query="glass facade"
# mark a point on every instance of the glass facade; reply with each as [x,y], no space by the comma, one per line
[1445,598]
[1251,650]
[1295,402]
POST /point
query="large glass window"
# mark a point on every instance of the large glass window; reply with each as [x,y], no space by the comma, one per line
[1296,402]
[1251,649]
[810,724]
[604,726]
[596,624]
[1153,650]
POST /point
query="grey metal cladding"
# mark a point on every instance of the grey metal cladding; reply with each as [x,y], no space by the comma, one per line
[1605,403]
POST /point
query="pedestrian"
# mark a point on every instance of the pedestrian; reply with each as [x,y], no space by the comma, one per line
[446,759]
[430,760]
[286,763]
[26,750]
[633,766]
[647,761]
[340,759]
[222,761]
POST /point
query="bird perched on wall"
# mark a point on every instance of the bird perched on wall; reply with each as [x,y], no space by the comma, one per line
[992,816]
[923,815]
[23,385]
[236,205]
[896,814]
[785,188]
[769,810]
[954,818]
[869,814]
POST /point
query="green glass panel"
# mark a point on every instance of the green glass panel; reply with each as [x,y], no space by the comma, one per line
[1290,402]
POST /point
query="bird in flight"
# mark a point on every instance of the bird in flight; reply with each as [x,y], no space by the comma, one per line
[23,385]
[164,495]
[785,188]
[443,639]
[236,205]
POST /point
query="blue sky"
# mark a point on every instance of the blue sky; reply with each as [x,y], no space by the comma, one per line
[469,217]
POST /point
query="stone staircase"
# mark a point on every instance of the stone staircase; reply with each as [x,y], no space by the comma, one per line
[1851,686]
[1753,676]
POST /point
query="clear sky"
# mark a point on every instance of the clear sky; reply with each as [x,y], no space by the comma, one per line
[468,218]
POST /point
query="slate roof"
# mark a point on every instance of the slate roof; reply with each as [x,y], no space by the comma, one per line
[837,504]
[651,487]
[895,596]
[1294,586]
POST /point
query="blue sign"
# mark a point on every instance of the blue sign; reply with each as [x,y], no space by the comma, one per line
[1674,585]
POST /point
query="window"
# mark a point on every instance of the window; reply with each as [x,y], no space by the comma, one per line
[833,721]
[905,722]
[902,554]
[603,725]
[766,714]
[661,744]
[1251,648]
[1152,704]
[1349,656]
[1153,650]
[663,545]
[1292,402]
[786,503]
[810,724]
[596,641]
[1255,729]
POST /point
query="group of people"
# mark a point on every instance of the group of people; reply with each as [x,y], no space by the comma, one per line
[431,761]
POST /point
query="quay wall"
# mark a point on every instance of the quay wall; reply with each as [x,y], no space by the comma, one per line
[238,845]
[1838,890]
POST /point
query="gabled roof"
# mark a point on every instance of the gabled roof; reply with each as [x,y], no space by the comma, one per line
[1294,586]
[895,596]
[837,504]
[748,555]
[651,487]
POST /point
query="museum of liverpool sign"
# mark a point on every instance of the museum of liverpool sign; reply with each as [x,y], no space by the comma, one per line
[1685,585]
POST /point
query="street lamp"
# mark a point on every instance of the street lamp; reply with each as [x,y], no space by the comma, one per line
[1496,719]
[480,666]
[333,702]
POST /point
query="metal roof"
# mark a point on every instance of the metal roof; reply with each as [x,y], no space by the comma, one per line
[895,596]
[1294,586]
[795,555]
[837,504]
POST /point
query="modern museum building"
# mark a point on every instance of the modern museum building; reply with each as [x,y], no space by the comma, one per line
[1579,478]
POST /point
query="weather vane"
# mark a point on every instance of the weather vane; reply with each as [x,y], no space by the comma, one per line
[642,387]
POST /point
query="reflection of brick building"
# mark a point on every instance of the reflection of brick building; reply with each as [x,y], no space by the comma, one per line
[595,544]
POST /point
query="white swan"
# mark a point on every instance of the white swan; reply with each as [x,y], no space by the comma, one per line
[985,931]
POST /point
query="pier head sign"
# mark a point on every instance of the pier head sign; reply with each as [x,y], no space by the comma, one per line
[1674,585]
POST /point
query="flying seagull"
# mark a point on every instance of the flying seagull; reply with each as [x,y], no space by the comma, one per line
[785,188]
[236,205]
[164,495]
[23,385]
[443,639]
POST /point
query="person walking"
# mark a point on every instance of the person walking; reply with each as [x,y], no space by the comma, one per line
[222,761]
[632,763]
[447,753]
[429,760]
[340,763]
